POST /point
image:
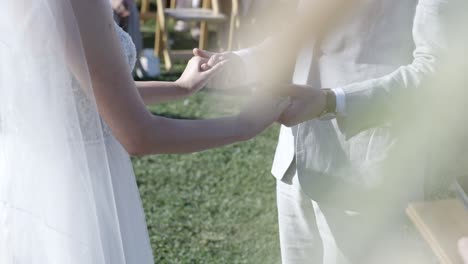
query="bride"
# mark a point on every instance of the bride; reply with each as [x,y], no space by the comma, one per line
[69,115]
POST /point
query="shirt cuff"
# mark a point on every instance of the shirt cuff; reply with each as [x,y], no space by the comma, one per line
[340,101]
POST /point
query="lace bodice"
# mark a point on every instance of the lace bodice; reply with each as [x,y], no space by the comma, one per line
[86,109]
[127,46]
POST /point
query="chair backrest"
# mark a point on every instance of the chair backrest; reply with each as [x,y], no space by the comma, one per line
[214,5]
[144,6]
[173,4]
[208,4]
[146,3]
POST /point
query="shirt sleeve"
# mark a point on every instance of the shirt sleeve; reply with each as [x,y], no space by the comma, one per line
[375,102]
[340,101]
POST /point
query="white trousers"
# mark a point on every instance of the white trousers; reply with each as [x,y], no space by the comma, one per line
[305,236]
[305,230]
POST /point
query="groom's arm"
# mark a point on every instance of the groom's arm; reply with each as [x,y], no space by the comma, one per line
[272,61]
[257,64]
[375,102]
[363,105]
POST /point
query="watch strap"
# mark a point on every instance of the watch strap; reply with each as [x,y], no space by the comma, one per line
[330,105]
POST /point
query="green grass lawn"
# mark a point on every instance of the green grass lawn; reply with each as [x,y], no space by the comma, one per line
[216,206]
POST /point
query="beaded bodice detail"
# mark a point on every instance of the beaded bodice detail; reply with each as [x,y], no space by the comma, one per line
[88,116]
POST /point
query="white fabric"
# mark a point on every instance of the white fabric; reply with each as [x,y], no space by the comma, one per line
[284,153]
[249,76]
[67,189]
[285,149]
[306,233]
[373,81]
[305,236]
[352,52]
[340,101]
[304,62]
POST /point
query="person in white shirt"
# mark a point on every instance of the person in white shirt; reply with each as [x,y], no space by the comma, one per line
[339,192]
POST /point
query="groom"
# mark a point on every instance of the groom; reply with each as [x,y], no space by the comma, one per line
[338,194]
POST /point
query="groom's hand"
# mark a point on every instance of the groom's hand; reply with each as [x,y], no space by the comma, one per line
[194,77]
[307,103]
[233,73]
[234,61]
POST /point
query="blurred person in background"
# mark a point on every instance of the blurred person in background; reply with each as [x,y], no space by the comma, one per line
[345,166]
[127,15]
[182,26]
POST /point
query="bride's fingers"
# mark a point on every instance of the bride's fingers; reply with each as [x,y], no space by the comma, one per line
[214,60]
[203,53]
[205,67]
[216,68]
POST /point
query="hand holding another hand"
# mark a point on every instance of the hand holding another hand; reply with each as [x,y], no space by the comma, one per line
[259,113]
[233,72]
[234,61]
[307,103]
[304,103]
[196,76]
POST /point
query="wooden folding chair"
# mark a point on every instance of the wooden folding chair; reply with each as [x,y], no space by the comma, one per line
[441,223]
[209,13]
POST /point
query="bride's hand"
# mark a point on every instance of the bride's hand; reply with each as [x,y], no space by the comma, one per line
[259,113]
[234,73]
[235,62]
[195,77]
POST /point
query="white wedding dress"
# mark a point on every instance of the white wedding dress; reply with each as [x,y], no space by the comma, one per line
[131,218]
[68,193]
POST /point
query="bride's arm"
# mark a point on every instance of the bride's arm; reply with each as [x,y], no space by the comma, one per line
[158,92]
[122,107]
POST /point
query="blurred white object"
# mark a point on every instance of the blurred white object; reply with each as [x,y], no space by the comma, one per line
[463,249]
[148,66]
[181,26]
[68,193]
